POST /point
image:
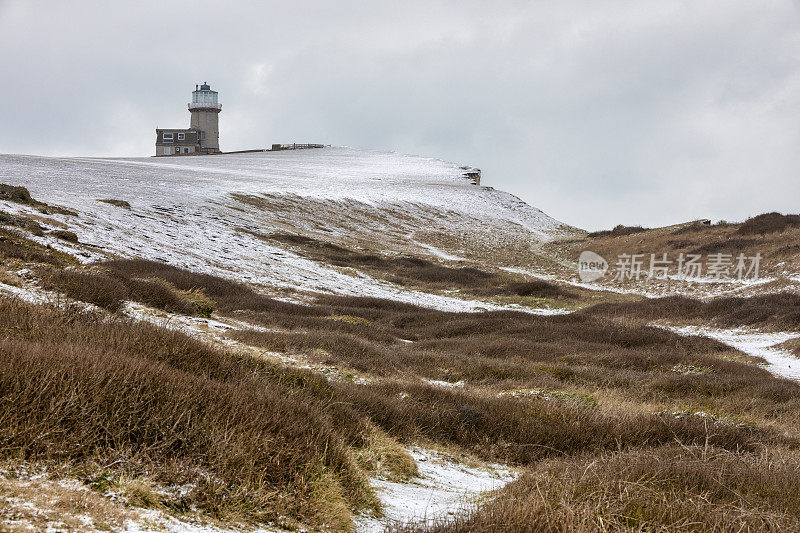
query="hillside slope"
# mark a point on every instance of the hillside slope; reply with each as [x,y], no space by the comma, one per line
[208,213]
[282,380]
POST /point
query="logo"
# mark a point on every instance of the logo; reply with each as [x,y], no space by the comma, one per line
[591,266]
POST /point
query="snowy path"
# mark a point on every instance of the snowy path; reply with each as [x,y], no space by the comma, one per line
[781,362]
[444,488]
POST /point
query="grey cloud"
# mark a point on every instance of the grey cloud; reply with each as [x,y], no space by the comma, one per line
[641,112]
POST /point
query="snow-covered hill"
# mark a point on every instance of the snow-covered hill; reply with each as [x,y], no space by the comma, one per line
[197,212]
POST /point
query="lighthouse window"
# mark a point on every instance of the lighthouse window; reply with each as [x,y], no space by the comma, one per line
[181,136]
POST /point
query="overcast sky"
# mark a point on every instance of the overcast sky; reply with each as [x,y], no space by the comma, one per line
[598,112]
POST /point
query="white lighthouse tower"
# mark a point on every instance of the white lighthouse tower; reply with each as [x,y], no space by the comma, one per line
[205,109]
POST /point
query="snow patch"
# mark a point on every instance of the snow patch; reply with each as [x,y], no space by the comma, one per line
[759,344]
[444,488]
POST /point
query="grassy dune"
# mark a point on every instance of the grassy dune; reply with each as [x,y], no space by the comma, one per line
[616,424]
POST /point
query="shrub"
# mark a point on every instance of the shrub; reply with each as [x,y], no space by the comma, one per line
[159,294]
[227,295]
[98,289]
[110,289]
[14,193]
[202,304]
[539,289]
[618,231]
[21,195]
[64,235]
[88,392]
[732,246]
[118,203]
[404,270]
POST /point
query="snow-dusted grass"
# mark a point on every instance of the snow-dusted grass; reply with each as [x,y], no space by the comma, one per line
[183,212]
[31,499]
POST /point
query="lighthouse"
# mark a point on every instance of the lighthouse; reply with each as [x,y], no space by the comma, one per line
[202,135]
[205,109]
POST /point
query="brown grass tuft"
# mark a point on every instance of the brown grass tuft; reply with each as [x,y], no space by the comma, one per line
[90,287]
[665,489]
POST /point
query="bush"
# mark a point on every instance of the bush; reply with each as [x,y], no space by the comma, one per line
[540,289]
[202,304]
[14,193]
[618,231]
[118,203]
[404,270]
[732,246]
[21,195]
[159,294]
[64,235]
[98,289]
[227,295]
[111,288]
[26,251]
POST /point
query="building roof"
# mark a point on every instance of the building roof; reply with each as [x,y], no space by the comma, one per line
[176,129]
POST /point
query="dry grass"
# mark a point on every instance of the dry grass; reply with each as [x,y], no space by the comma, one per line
[618,231]
[773,235]
[416,272]
[7,219]
[16,247]
[40,504]
[109,288]
[94,288]
[541,289]
[159,294]
[94,392]
[793,345]
[664,489]
[227,295]
[14,193]
[504,429]
[498,351]
[771,311]
[21,195]
[259,441]
[768,223]
[405,270]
